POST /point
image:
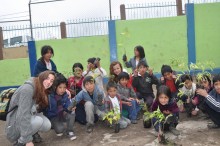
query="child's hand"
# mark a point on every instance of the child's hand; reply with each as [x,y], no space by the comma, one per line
[73,92]
[69,94]
[138,101]
[174,76]
[135,72]
[150,71]
[98,64]
[188,100]
[202,92]
[162,79]
[128,104]
[130,98]
[167,112]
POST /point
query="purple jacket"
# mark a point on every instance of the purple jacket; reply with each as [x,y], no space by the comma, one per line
[171,106]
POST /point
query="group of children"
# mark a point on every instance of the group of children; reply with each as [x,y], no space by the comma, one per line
[90,101]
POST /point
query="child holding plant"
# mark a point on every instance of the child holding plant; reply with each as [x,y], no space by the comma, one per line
[113,102]
[139,56]
[130,101]
[212,102]
[168,108]
[143,83]
[189,99]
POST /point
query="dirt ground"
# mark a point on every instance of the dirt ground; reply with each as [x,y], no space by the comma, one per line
[194,132]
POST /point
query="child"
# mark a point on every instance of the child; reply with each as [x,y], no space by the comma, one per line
[45,62]
[58,112]
[143,83]
[167,106]
[75,86]
[169,79]
[113,101]
[212,102]
[75,82]
[206,84]
[128,96]
[189,98]
[94,101]
[139,56]
[95,70]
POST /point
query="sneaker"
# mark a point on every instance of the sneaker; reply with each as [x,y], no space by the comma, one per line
[134,121]
[59,134]
[71,135]
[89,128]
[19,144]
[174,131]
[37,138]
[213,126]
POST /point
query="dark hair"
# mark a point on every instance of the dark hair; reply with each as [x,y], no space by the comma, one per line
[60,79]
[186,77]
[75,65]
[91,60]
[45,49]
[163,89]
[140,49]
[206,78]
[142,63]
[111,85]
[123,75]
[165,69]
[88,79]
[216,78]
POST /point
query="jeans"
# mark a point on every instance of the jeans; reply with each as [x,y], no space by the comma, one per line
[132,110]
[58,124]
[39,123]
[214,116]
[149,98]
[90,110]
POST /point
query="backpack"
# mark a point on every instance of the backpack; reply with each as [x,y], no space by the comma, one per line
[5,98]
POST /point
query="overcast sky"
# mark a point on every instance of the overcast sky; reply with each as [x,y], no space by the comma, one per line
[62,10]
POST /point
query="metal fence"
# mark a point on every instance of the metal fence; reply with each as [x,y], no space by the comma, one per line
[150,10]
[87,27]
[20,34]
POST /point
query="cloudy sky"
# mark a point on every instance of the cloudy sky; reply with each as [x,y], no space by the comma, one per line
[62,10]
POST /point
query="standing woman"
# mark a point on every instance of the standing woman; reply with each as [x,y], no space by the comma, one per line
[25,120]
[139,56]
[45,63]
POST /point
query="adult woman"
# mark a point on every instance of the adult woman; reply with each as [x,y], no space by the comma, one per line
[30,98]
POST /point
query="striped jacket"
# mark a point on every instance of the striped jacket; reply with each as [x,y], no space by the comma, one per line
[213,100]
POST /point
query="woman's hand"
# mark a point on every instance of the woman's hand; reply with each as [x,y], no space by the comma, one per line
[30,144]
[128,104]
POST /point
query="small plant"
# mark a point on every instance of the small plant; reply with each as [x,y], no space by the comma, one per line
[113,117]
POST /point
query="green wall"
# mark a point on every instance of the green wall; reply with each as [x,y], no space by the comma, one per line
[69,51]
[162,39]
[14,72]
[207,32]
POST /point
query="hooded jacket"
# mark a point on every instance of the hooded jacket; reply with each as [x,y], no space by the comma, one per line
[41,66]
[18,122]
[213,100]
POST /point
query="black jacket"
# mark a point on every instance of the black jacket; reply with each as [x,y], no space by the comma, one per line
[144,84]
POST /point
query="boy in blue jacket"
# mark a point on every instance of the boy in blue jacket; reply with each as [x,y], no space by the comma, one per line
[94,101]
[212,102]
[58,111]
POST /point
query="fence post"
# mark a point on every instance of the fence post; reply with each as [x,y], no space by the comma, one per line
[179,8]
[63,30]
[1,44]
[122,12]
